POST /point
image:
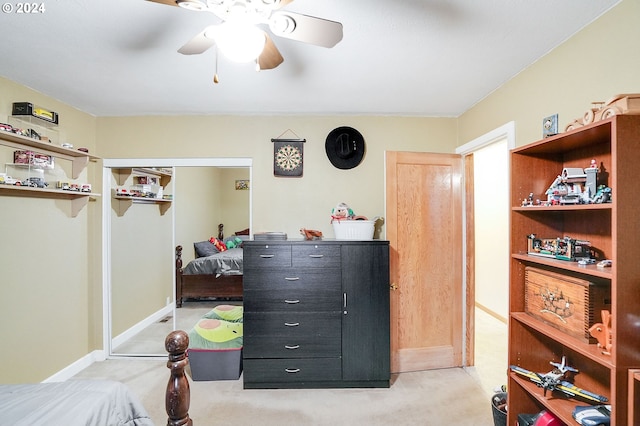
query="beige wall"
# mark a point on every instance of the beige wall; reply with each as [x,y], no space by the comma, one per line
[597,63]
[491,215]
[283,204]
[55,301]
[234,203]
[50,292]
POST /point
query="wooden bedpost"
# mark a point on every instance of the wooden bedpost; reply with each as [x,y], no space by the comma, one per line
[178,395]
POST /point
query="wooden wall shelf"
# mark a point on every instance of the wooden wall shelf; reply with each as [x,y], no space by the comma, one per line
[78,159]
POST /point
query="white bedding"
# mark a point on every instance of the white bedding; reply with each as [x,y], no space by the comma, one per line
[70,403]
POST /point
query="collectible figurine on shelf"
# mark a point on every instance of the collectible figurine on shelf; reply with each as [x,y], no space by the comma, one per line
[555,380]
[602,332]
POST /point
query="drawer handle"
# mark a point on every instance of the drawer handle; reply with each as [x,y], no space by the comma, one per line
[292,370]
[292,324]
[316,256]
[291,302]
[292,346]
[291,278]
[267,256]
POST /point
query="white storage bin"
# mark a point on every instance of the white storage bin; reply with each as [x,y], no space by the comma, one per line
[353,229]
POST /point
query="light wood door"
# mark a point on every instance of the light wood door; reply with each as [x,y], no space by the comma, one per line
[424,228]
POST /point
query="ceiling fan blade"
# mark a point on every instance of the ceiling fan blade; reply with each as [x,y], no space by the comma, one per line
[307,29]
[167,2]
[199,43]
[270,56]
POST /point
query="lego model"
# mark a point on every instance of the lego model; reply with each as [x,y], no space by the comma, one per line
[555,380]
[565,248]
[574,185]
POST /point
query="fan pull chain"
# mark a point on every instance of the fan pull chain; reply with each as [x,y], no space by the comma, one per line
[215,75]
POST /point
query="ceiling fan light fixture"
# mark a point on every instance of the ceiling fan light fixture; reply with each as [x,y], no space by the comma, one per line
[196,5]
[282,24]
[240,43]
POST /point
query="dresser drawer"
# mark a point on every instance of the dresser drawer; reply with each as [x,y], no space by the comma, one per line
[316,256]
[292,370]
[289,347]
[294,280]
[300,300]
[296,334]
[292,324]
[266,256]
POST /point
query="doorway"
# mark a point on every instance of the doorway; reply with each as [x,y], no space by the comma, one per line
[119,323]
[487,253]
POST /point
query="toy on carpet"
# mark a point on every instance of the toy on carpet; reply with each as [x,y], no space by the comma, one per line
[231,313]
[311,234]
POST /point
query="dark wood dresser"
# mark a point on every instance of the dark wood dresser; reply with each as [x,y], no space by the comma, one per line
[316,314]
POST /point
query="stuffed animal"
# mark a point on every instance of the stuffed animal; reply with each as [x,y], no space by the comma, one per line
[219,245]
[233,242]
[311,234]
[341,212]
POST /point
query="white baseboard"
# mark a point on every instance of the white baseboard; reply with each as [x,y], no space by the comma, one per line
[76,367]
[100,355]
[155,317]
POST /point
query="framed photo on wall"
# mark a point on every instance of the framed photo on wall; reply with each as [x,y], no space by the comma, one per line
[242,184]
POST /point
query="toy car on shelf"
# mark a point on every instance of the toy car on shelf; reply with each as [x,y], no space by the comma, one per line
[605,263]
[12,181]
[35,182]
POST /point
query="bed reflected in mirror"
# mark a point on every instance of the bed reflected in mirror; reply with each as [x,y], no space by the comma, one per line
[208,203]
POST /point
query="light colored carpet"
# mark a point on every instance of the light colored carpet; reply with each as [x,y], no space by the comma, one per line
[150,341]
[454,396]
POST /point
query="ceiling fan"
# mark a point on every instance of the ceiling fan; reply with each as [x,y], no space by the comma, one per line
[239,29]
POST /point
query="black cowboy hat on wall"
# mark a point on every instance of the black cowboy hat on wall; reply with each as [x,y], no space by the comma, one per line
[345,147]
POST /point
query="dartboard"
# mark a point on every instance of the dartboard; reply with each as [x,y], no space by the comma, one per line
[287,160]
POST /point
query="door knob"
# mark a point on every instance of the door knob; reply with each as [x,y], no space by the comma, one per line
[393,286]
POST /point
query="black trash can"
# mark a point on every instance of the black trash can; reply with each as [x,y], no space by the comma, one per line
[499,408]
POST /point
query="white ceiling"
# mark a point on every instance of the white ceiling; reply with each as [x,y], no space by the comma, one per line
[401,57]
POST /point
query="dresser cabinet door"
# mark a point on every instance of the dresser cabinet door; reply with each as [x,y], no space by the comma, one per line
[365,324]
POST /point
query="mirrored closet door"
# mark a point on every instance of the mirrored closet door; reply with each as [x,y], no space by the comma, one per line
[156,205]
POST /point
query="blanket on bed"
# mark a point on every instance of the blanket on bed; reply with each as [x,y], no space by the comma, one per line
[228,262]
[70,403]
